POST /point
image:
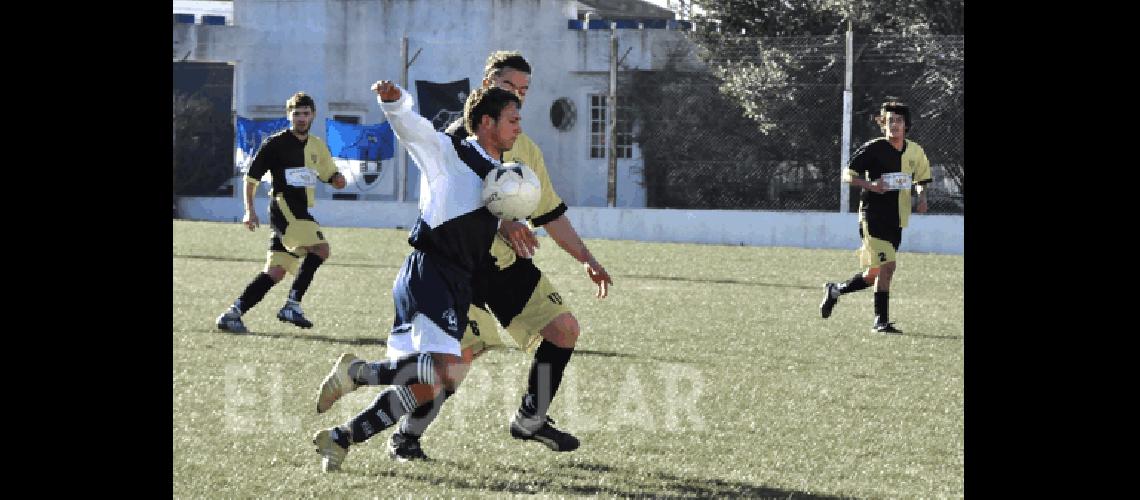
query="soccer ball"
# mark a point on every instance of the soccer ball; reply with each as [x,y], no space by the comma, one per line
[511,191]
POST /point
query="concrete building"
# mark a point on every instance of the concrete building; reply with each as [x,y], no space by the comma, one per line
[335,49]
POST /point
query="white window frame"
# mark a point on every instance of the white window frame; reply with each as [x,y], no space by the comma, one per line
[625,142]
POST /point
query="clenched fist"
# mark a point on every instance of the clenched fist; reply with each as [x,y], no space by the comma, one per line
[387,90]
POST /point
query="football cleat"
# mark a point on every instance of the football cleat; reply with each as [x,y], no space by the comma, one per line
[547,434]
[404,448]
[886,328]
[830,298]
[230,321]
[332,455]
[291,313]
[337,383]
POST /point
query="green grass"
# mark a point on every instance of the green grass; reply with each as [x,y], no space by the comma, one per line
[707,372]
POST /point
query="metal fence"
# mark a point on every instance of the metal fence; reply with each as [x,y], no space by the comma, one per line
[756,122]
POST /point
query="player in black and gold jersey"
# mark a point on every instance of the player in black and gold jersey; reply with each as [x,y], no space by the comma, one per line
[295,161]
[885,168]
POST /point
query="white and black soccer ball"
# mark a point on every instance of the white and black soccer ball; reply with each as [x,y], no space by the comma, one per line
[511,191]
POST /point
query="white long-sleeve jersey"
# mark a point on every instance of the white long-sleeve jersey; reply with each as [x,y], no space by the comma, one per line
[453,225]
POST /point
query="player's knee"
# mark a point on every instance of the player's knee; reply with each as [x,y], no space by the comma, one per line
[887,270]
[450,373]
[870,275]
[468,354]
[276,273]
[424,392]
[323,251]
[452,379]
[563,331]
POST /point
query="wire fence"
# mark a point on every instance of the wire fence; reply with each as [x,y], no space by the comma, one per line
[757,122]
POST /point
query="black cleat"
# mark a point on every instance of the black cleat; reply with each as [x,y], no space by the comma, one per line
[886,328]
[230,321]
[547,435]
[293,314]
[404,448]
[830,298]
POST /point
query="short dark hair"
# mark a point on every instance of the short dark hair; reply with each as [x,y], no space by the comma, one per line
[486,101]
[894,106]
[505,59]
[300,99]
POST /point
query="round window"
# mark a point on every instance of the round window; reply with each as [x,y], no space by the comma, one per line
[562,114]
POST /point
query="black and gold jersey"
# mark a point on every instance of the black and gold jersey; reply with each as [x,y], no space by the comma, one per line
[550,205]
[294,166]
[878,157]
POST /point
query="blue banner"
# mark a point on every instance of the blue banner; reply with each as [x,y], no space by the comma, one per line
[349,141]
[360,153]
[250,134]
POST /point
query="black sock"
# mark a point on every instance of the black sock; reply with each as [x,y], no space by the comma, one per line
[882,307]
[386,409]
[416,422]
[255,291]
[545,377]
[305,276]
[854,284]
[415,368]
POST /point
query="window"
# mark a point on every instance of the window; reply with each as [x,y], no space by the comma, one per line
[562,114]
[624,130]
[353,119]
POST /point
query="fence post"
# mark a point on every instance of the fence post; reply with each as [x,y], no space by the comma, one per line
[845,143]
[611,121]
[401,156]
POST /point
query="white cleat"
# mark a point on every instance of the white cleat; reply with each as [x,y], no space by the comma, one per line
[337,383]
[332,455]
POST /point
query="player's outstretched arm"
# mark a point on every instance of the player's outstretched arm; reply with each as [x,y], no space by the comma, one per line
[417,134]
[563,233]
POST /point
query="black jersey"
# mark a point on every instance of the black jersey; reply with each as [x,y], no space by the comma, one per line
[294,167]
[878,157]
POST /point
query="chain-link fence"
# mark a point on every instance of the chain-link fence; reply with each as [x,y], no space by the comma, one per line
[925,72]
[756,122]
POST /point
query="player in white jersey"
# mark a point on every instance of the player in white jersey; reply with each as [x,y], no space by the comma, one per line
[432,292]
[519,295]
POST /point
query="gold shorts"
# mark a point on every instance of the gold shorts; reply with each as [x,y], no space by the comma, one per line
[279,256]
[294,223]
[521,297]
[877,249]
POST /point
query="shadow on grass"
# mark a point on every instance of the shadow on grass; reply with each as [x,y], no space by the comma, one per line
[302,336]
[382,342]
[397,265]
[715,281]
[608,354]
[945,337]
[637,484]
[262,261]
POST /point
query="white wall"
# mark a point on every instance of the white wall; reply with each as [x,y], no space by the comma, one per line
[941,234]
[335,49]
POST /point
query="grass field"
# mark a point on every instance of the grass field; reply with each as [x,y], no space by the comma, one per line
[706,373]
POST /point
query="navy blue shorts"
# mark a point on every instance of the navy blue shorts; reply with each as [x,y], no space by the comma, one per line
[433,289]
